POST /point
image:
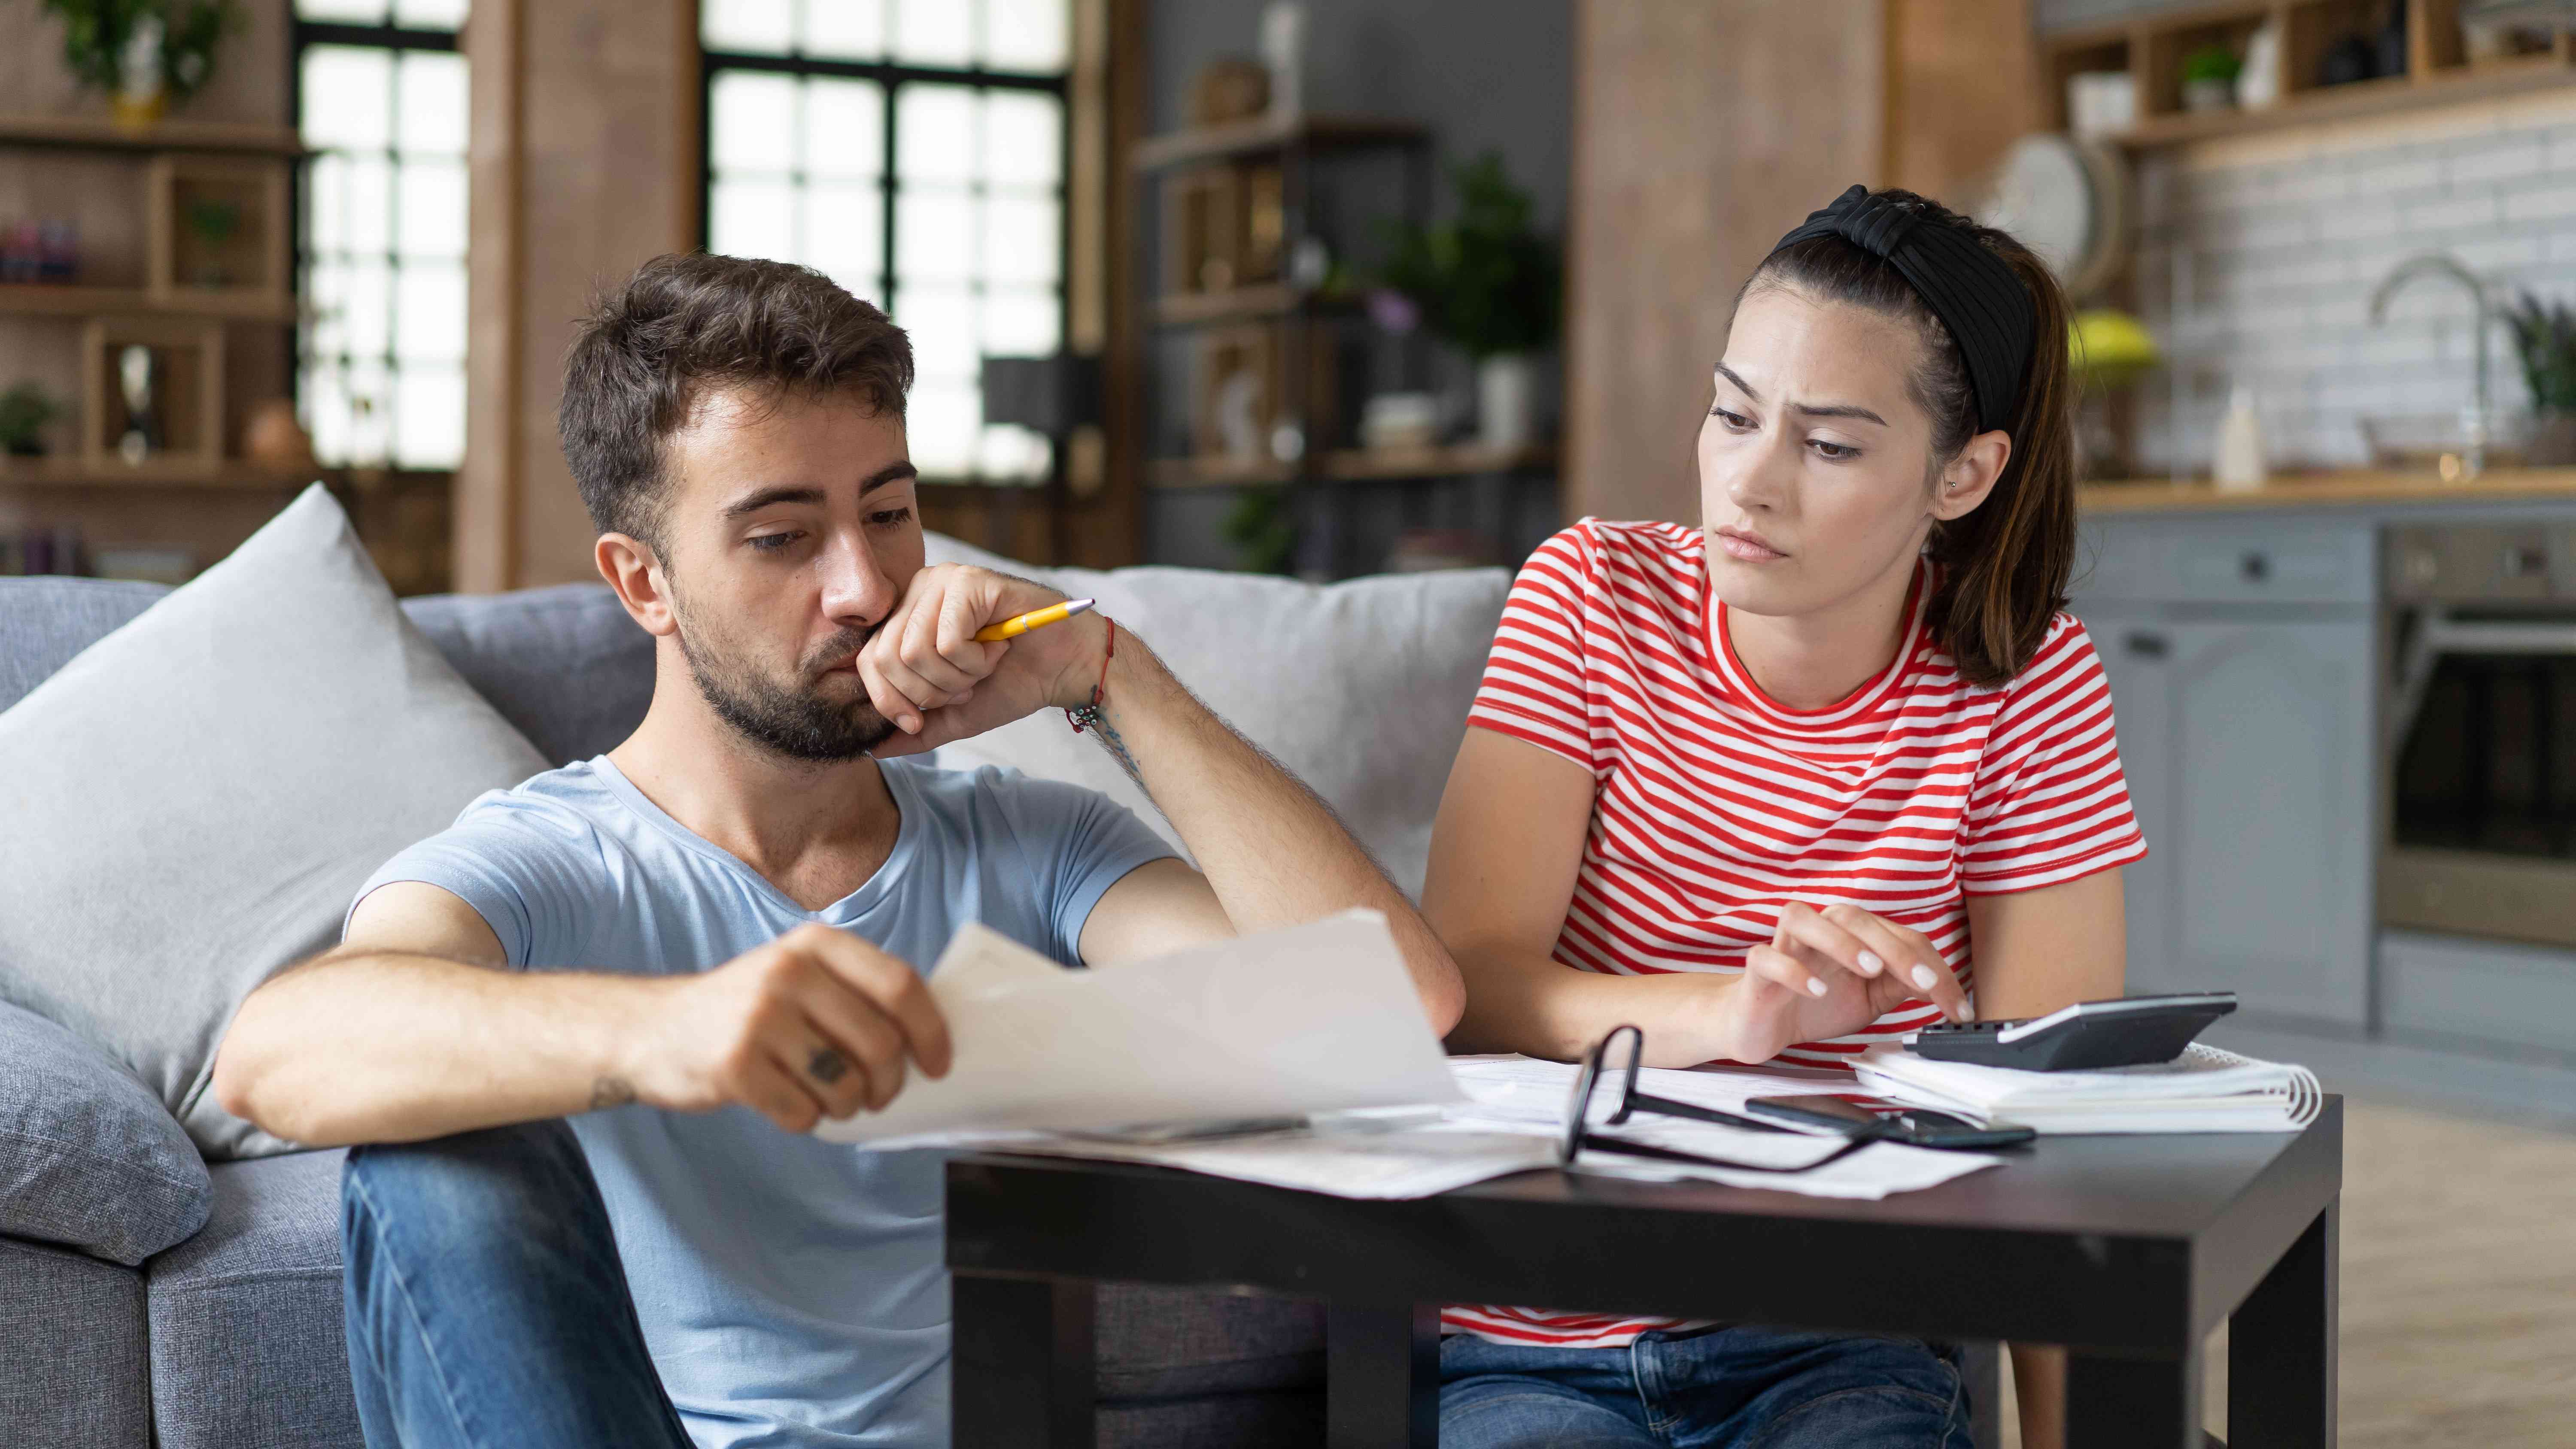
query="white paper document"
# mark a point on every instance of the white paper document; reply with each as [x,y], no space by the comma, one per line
[1315,1018]
[2203,1090]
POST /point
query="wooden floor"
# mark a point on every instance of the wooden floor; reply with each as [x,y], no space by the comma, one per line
[2459,1286]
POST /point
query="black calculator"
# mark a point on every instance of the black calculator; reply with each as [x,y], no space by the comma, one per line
[2132,1031]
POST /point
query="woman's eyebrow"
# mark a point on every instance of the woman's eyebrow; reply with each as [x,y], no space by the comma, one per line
[1813,410]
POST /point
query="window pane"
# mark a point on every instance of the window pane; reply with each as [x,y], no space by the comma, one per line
[429,314]
[430,14]
[371,200]
[347,96]
[1010,452]
[326,412]
[370,400]
[342,12]
[752,218]
[326,204]
[752,121]
[1022,323]
[935,130]
[845,29]
[942,323]
[431,207]
[934,234]
[326,292]
[942,419]
[754,27]
[844,129]
[1021,240]
[430,95]
[1025,35]
[1023,139]
[429,418]
[368,309]
[845,236]
[934,32]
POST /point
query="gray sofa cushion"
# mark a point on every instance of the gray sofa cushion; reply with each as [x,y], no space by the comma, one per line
[246,1344]
[563,664]
[45,621]
[88,1156]
[71,1350]
[196,797]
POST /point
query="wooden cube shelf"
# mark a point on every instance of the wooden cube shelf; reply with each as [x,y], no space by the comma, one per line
[219,235]
[185,413]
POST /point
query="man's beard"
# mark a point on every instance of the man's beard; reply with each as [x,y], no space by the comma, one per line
[787,717]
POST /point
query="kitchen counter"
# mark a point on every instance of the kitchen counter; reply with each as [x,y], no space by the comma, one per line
[2358,487]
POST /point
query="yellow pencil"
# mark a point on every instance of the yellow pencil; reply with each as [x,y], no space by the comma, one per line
[1033,619]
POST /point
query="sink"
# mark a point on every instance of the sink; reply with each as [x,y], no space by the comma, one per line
[2438,442]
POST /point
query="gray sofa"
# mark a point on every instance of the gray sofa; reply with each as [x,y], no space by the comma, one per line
[146,1297]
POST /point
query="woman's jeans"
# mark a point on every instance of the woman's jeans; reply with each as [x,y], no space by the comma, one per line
[485,1303]
[1726,1388]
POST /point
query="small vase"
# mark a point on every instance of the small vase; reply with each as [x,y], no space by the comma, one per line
[2209,94]
[1507,400]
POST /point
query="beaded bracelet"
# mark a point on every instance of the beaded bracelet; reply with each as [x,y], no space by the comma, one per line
[1088,716]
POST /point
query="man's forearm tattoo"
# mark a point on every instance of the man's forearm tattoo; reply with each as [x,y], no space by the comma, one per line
[610,1092]
[1103,731]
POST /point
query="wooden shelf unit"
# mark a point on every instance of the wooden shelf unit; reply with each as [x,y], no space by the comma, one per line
[1270,133]
[56,471]
[2151,50]
[46,300]
[1356,465]
[99,134]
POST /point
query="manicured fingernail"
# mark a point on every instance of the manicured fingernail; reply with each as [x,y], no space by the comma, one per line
[1870,964]
[1967,1012]
[1815,987]
[1924,978]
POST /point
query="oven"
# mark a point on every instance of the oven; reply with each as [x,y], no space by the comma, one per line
[2480,719]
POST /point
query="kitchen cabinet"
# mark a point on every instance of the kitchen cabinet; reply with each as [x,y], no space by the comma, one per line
[2241,679]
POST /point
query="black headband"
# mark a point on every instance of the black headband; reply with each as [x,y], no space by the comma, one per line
[1972,290]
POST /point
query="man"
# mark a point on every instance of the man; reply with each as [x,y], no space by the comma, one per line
[703,942]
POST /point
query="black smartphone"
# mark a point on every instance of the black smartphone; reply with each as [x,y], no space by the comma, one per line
[1914,1126]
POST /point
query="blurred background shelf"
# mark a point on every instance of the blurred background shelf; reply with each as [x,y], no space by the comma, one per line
[89,134]
[1240,304]
[55,472]
[1355,465]
[47,300]
[1270,133]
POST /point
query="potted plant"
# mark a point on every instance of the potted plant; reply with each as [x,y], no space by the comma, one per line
[1489,283]
[146,54]
[24,411]
[2209,78]
[2544,337]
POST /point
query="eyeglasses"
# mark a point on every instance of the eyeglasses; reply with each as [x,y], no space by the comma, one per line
[1579,1134]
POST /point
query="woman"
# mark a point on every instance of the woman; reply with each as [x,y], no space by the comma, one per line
[1828,768]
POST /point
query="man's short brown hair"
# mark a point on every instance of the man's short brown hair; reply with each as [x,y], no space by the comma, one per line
[688,324]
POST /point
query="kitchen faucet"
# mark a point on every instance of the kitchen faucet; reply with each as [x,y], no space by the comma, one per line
[2473,419]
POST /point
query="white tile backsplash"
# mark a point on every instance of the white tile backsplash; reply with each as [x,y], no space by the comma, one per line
[2286,234]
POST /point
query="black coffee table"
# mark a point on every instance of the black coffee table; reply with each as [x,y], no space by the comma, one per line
[2127,1249]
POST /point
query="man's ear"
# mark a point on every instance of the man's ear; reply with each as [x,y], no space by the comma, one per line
[1971,476]
[631,569]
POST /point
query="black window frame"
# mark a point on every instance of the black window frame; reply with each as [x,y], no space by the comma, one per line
[303,34]
[890,77]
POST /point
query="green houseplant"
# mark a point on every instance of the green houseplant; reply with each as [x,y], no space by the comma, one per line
[147,54]
[2209,78]
[1489,283]
[24,411]
[2544,338]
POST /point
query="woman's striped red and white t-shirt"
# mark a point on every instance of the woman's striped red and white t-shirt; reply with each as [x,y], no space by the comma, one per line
[1714,806]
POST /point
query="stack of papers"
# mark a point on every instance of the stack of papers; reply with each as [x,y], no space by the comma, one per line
[2203,1090]
[1301,1058]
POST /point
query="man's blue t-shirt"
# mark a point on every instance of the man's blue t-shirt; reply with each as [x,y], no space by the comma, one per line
[791,1290]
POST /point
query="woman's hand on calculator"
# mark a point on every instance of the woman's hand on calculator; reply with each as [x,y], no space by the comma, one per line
[1830,972]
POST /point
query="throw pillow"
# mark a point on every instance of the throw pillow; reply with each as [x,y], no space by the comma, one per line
[87,1157]
[194,798]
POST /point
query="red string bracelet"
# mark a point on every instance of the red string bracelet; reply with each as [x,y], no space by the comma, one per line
[1089,714]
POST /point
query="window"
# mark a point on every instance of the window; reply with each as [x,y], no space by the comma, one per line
[380,97]
[914,151]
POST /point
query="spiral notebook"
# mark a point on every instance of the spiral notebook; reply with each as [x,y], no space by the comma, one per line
[2203,1090]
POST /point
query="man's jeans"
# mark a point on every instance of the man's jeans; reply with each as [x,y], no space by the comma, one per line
[485,1303]
[1727,1388]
